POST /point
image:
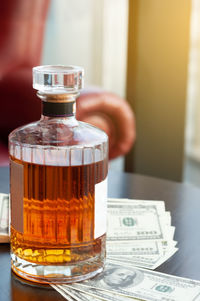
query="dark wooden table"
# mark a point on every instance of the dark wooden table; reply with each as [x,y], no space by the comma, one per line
[182,200]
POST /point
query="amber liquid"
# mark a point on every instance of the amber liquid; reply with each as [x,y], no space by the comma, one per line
[58,214]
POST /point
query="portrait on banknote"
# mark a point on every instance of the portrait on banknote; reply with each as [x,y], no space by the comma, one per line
[120,277]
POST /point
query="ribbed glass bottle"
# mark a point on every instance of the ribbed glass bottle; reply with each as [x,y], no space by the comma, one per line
[58,178]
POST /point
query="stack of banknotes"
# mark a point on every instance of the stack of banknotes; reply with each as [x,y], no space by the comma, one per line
[139,235]
[139,239]
[125,283]
[4,218]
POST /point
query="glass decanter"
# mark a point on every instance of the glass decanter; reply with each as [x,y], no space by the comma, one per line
[58,185]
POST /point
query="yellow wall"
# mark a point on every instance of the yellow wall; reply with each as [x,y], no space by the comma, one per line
[156,84]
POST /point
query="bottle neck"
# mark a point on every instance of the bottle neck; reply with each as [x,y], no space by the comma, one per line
[52,109]
[58,105]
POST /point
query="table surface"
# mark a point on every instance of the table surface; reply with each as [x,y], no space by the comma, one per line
[181,199]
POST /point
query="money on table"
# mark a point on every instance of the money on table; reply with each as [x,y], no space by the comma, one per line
[4,217]
[139,233]
[119,283]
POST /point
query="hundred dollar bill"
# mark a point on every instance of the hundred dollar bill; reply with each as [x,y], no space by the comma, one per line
[78,296]
[160,204]
[147,262]
[64,293]
[92,293]
[67,293]
[144,284]
[146,258]
[137,247]
[81,295]
[133,250]
[146,254]
[4,217]
[135,222]
[165,215]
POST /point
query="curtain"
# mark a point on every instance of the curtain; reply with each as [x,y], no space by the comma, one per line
[192,141]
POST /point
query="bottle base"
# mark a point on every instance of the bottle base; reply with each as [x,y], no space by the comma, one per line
[54,274]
